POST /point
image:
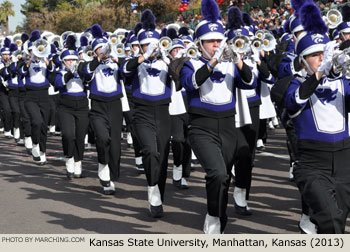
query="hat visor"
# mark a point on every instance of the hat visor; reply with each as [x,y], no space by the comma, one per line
[212,36]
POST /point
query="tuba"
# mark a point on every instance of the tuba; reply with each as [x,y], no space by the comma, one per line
[120,50]
[17,40]
[41,48]
[333,18]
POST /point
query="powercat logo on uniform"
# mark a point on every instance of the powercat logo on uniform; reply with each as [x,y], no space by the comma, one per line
[108,72]
[326,95]
[317,38]
[153,72]
[217,77]
[213,27]
[37,69]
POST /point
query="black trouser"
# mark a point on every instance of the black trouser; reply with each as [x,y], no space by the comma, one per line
[14,104]
[262,130]
[131,127]
[6,110]
[243,171]
[54,103]
[106,119]
[37,106]
[152,125]
[218,145]
[180,144]
[74,118]
[25,120]
[323,178]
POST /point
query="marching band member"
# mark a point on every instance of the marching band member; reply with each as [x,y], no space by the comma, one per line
[4,99]
[316,103]
[73,109]
[105,115]
[36,72]
[344,27]
[179,120]
[151,86]
[129,115]
[243,171]
[211,84]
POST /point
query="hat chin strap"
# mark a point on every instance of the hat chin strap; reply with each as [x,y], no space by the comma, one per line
[205,51]
[307,65]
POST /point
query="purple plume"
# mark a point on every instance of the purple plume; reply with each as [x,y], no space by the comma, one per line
[34,35]
[171,33]
[210,10]
[310,17]
[345,11]
[148,20]
[96,31]
[234,19]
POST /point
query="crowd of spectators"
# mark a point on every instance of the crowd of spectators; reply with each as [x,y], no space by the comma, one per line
[272,17]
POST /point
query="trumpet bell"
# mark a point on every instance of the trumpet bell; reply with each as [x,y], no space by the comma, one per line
[269,42]
[41,48]
[165,43]
[88,53]
[16,56]
[192,52]
[257,44]
[240,44]
[113,39]
[120,49]
[333,18]
[259,34]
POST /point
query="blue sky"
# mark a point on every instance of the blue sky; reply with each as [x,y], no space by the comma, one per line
[18,18]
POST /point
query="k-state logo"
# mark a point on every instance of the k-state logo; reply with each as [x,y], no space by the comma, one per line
[317,38]
[217,77]
[37,69]
[149,34]
[326,95]
[238,32]
[108,72]
[213,27]
[153,72]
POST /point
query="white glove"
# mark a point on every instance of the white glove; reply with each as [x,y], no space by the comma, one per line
[219,51]
[256,55]
[328,52]
[136,52]
[72,67]
[150,50]
[165,58]
[104,49]
[181,53]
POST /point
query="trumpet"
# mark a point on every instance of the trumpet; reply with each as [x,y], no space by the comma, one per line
[341,61]
[333,18]
[259,34]
[16,56]
[88,54]
[165,43]
[230,54]
[17,40]
[240,44]
[41,48]
[192,52]
[257,44]
[269,42]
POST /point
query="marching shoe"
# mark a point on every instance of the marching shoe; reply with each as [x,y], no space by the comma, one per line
[70,167]
[103,175]
[52,129]
[1,129]
[139,165]
[77,169]
[8,134]
[129,139]
[184,184]
[42,158]
[177,175]
[109,190]
[275,122]
[241,206]
[16,134]
[271,127]
[260,145]
[20,142]
[36,152]
[306,226]
[28,144]
[212,225]
[155,202]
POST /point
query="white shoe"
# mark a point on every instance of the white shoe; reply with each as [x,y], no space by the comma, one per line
[154,198]
[78,169]
[291,175]
[306,225]
[52,129]
[129,138]
[28,142]
[177,173]
[36,152]
[109,190]
[16,133]
[70,166]
[271,125]
[103,174]
[212,225]
[20,142]
[42,158]
[2,130]
[275,122]
[239,195]
[8,134]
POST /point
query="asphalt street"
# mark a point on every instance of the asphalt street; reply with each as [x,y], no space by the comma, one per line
[40,199]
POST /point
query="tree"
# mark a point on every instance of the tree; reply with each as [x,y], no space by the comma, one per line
[6,10]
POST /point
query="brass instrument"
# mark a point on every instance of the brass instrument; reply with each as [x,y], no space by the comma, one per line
[88,54]
[257,44]
[16,56]
[192,52]
[240,44]
[259,34]
[341,61]
[269,42]
[41,48]
[333,18]
[17,40]
[230,54]
[165,43]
